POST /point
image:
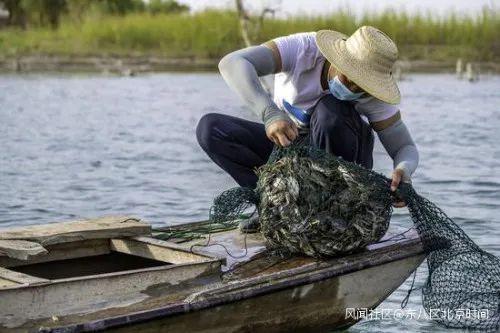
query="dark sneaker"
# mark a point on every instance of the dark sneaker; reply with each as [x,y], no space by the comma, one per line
[250,225]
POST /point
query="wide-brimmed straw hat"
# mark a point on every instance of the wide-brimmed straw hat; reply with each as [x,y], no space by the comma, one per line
[366,58]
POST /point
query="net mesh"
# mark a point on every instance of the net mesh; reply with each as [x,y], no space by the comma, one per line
[320,206]
[314,203]
[462,289]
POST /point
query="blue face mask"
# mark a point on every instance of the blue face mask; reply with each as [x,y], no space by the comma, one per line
[341,92]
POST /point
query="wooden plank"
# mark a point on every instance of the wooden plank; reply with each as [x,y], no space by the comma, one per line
[178,247]
[235,246]
[54,233]
[63,251]
[156,249]
[7,283]
[78,296]
[20,278]
[188,225]
[21,249]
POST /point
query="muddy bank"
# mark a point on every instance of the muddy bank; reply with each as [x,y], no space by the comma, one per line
[104,64]
[140,64]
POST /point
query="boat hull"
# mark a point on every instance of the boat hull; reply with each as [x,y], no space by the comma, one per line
[312,307]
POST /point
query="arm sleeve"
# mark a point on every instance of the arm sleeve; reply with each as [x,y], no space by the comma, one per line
[241,70]
[399,144]
[376,110]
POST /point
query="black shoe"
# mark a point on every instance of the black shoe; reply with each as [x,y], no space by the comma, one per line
[250,225]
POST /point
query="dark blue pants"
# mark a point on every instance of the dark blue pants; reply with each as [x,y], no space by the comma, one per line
[239,146]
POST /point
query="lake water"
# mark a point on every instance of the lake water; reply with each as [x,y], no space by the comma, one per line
[78,146]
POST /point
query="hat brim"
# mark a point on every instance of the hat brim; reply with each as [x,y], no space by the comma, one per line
[379,85]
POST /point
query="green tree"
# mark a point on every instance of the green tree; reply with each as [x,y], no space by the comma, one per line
[51,12]
[121,7]
[166,6]
[77,9]
[17,14]
[35,12]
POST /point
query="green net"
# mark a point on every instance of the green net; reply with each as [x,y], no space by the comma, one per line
[313,203]
[463,285]
[320,206]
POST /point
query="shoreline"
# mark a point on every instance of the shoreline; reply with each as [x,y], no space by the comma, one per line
[131,65]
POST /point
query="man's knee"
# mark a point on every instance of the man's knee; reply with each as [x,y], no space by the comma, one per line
[206,129]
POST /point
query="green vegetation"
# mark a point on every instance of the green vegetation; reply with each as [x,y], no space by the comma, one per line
[42,13]
[212,33]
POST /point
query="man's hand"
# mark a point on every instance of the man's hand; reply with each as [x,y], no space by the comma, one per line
[282,132]
[397,175]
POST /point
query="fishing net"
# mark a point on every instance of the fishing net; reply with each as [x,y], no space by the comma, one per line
[314,203]
[463,286]
[319,207]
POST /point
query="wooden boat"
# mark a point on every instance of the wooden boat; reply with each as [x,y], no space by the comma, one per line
[114,273]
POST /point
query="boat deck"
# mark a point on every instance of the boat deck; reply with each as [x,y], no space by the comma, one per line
[246,255]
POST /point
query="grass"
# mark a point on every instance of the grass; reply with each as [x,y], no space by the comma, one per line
[213,33]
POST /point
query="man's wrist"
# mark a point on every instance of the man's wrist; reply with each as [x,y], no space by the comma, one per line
[272,113]
[405,170]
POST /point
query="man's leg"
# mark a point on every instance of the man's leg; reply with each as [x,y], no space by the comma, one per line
[338,128]
[238,146]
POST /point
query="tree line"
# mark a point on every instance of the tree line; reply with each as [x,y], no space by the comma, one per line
[48,13]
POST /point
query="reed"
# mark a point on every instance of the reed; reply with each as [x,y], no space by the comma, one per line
[212,33]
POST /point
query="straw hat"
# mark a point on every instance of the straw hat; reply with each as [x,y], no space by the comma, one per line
[366,58]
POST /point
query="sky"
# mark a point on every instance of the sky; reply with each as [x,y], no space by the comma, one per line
[294,7]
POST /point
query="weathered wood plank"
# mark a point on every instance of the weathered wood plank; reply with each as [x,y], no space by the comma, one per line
[7,283]
[156,249]
[20,249]
[178,247]
[63,251]
[78,296]
[20,278]
[54,233]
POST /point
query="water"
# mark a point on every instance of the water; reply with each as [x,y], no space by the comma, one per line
[78,146]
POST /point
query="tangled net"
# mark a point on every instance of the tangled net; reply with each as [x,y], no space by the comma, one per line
[319,207]
[463,285]
[314,203]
